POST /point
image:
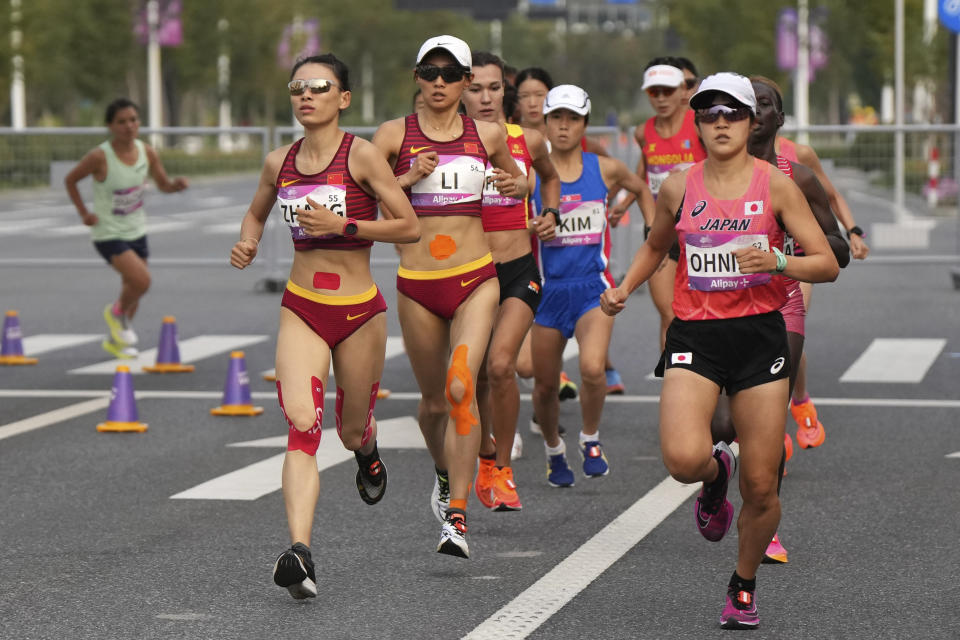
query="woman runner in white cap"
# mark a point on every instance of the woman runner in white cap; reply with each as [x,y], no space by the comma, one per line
[446,284]
[727,211]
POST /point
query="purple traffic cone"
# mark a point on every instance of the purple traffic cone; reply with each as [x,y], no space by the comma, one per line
[168,353]
[11,347]
[122,414]
[236,392]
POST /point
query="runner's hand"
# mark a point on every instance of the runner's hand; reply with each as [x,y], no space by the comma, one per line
[545,227]
[179,184]
[615,213]
[423,166]
[858,248]
[613,301]
[244,252]
[89,219]
[509,186]
[318,220]
[753,260]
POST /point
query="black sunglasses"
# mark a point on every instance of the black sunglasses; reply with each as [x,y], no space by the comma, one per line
[690,83]
[316,85]
[730,113]
[449,73]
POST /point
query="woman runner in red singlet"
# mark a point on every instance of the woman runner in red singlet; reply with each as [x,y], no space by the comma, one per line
[727,212]
[328,184]
[446,284]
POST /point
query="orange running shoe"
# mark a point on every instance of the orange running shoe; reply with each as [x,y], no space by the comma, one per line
[788,445]
[505,490]
[810,432]
[568,388]
[484,482]
[775,553]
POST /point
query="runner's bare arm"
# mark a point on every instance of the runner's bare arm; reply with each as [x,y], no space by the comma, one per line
[159,174]
[544,225]
[93,163]
[400,224]
[820,205]
[251,228]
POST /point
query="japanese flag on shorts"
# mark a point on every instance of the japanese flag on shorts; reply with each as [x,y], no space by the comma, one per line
[681,358]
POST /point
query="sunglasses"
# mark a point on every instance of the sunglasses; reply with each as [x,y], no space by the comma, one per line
[316,85]
[690,83]
[654,92]
[449,73]
[730,113]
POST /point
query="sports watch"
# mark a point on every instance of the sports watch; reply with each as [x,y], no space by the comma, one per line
[349,228]
[555,212]
[857,231]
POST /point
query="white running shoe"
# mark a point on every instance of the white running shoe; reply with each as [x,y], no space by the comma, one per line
[440,497]
[517,451]
[453,541]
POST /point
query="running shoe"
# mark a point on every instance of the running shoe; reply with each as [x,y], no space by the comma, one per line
[614,383]
[483,485]
[453,540]
[594,462]
[558,471]
[713,511]
[440,498]
[775,553]
[505,490]
[371,476]
[293,570]
[120,329]
[516,452]
[740,611]
[788,445]
[119,350]
[568,389]
[535,427]
[810,432]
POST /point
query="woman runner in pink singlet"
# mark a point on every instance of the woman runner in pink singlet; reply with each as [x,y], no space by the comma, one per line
[728,334]
[328,184]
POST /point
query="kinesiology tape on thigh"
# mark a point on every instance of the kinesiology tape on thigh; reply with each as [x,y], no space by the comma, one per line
[367,428]
[460,411]
[306,441]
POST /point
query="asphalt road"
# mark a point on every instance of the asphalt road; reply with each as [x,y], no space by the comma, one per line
[94,545]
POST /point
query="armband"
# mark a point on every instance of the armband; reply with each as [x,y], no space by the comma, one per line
[781,260]
[555,212]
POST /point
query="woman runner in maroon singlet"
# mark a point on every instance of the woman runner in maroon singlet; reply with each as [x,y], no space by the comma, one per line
[728,212]
[328,184]
[446,284]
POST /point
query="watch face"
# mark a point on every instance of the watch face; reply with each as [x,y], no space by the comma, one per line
[350,228]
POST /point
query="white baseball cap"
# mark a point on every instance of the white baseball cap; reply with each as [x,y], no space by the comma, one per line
[567,96]
[456,47]
[662,75]
[734,85]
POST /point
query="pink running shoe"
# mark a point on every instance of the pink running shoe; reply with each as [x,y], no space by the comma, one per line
[740,611]
[775,553]
[713,511]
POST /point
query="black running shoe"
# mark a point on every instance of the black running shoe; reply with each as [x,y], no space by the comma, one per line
[371,476]
[293,570]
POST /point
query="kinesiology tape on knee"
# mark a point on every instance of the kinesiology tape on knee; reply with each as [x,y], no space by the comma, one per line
[306,441]
[460,410]
[367,427]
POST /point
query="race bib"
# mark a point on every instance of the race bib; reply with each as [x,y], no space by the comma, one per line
[712,265]
[492,197]
[581,223]
[790,246]
[331,196]
[656,178]
[456,179]
[126,201]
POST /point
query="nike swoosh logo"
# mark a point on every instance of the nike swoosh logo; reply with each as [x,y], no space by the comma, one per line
[359,315]
[468,282]
[418,149]
[287,183]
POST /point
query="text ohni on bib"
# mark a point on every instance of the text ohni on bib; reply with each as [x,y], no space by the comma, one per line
[712,265]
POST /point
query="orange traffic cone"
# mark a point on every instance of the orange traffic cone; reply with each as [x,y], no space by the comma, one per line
[11,346]
[168,353]
[122,414]
[236,393]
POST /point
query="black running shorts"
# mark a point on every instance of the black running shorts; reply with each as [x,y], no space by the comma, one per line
[736,353]
[520,278]
[110,248]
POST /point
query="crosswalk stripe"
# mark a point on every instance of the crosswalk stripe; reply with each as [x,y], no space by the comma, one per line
[53,417]
[260,478]
[191,350]
[44,342]
[895,360]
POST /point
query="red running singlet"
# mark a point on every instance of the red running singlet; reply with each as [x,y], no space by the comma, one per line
[455,187]
[503,213]
[788,149]
[709,285]
[333,188]
[679,151]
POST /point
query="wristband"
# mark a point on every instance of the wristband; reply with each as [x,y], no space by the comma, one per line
[555,212]
[857,231]
[781,260]
[252,238]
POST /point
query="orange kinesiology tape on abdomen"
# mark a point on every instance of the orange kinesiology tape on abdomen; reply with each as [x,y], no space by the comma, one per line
[460,411]
[442,247]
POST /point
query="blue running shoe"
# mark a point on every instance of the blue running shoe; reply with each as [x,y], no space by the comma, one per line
[614,383]
[594,462]
[558,471]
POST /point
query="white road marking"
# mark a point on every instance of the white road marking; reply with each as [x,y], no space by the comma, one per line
[53,417]
[260,478]
[394,349]
[44,342]
[191,350]
[954,455]
[524,614]
[895,360]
